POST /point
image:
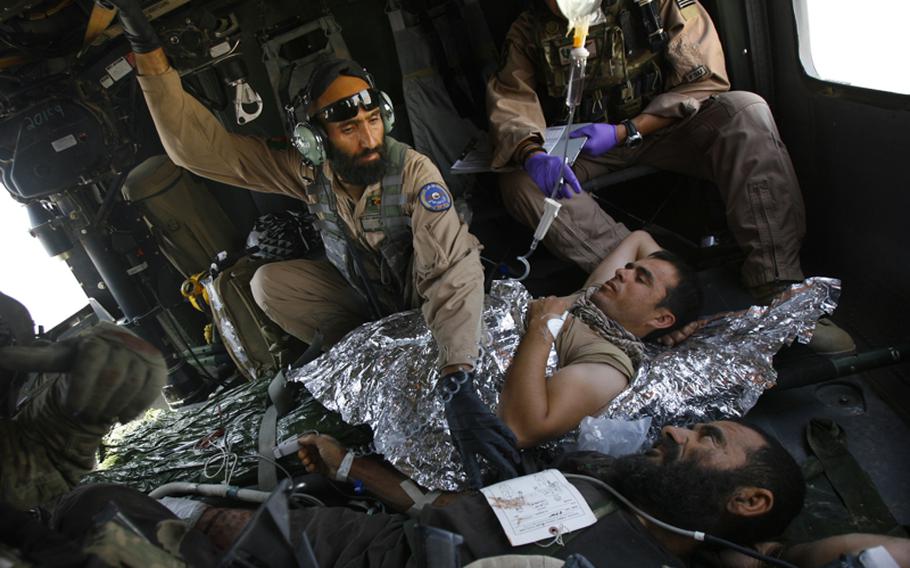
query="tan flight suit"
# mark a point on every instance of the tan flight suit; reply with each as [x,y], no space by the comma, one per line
[43,453]
[446,278]
[727,137]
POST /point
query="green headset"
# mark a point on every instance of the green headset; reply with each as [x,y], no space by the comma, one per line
[307,135]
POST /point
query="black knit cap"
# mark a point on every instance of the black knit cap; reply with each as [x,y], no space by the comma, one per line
[326,71]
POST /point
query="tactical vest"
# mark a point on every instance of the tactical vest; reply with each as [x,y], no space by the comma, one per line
[386,272]
[622,74]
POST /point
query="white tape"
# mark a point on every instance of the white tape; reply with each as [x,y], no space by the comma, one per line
[62,144]
[554,324]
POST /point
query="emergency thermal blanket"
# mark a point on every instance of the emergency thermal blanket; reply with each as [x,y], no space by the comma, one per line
[382,374]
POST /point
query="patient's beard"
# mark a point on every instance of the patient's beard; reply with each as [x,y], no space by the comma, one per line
[679,492]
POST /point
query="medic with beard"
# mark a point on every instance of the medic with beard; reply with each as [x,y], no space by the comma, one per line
[392,237]
[638,290]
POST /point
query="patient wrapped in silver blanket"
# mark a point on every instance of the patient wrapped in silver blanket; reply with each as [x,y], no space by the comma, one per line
[382,374]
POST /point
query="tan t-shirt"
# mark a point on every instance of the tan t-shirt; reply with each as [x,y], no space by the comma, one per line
[578,343]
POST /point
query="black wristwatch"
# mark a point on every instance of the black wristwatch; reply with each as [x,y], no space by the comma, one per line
[633,136]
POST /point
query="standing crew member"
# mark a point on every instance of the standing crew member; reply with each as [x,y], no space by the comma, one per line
[656,92]
[392,239]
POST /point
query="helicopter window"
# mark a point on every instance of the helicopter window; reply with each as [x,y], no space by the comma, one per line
[44,284]
[856,44]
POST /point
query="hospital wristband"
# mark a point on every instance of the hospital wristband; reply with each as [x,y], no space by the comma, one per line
[345,467]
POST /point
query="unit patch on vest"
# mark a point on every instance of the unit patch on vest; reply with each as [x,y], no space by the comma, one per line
[434,197]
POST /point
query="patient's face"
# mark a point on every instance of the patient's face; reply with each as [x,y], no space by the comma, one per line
[632,295]
[688,476]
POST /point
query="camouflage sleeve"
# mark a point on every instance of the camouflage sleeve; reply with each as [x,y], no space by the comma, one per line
[696,67]
[43,454]
[514,109]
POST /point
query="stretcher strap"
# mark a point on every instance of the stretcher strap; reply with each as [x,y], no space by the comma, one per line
[281,395]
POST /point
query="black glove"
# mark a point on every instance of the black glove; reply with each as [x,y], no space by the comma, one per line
[476,430]
[136,27]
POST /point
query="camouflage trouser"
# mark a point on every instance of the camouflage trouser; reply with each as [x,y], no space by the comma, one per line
[150,535]
[732,141]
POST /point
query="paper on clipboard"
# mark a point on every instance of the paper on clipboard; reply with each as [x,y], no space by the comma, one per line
[555,142]
[538,507]
[478,156]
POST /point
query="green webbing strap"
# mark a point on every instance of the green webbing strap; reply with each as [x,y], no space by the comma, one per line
[395,179]
[393,201]
[852,484]
[377,224]
[321,208]
[282,397]
[330,226]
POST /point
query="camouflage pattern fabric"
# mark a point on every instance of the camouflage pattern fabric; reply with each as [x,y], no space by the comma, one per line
[43,453]
[118,546]
[50,441]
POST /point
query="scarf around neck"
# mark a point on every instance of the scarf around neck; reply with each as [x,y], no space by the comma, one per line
[606,327]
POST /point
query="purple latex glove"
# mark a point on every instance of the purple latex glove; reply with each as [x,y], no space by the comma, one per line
[601,138]
[546,170]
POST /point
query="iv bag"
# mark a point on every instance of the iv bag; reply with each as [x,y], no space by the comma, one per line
[581,14]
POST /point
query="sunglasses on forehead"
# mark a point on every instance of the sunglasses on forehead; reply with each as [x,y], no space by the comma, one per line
[346,109]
